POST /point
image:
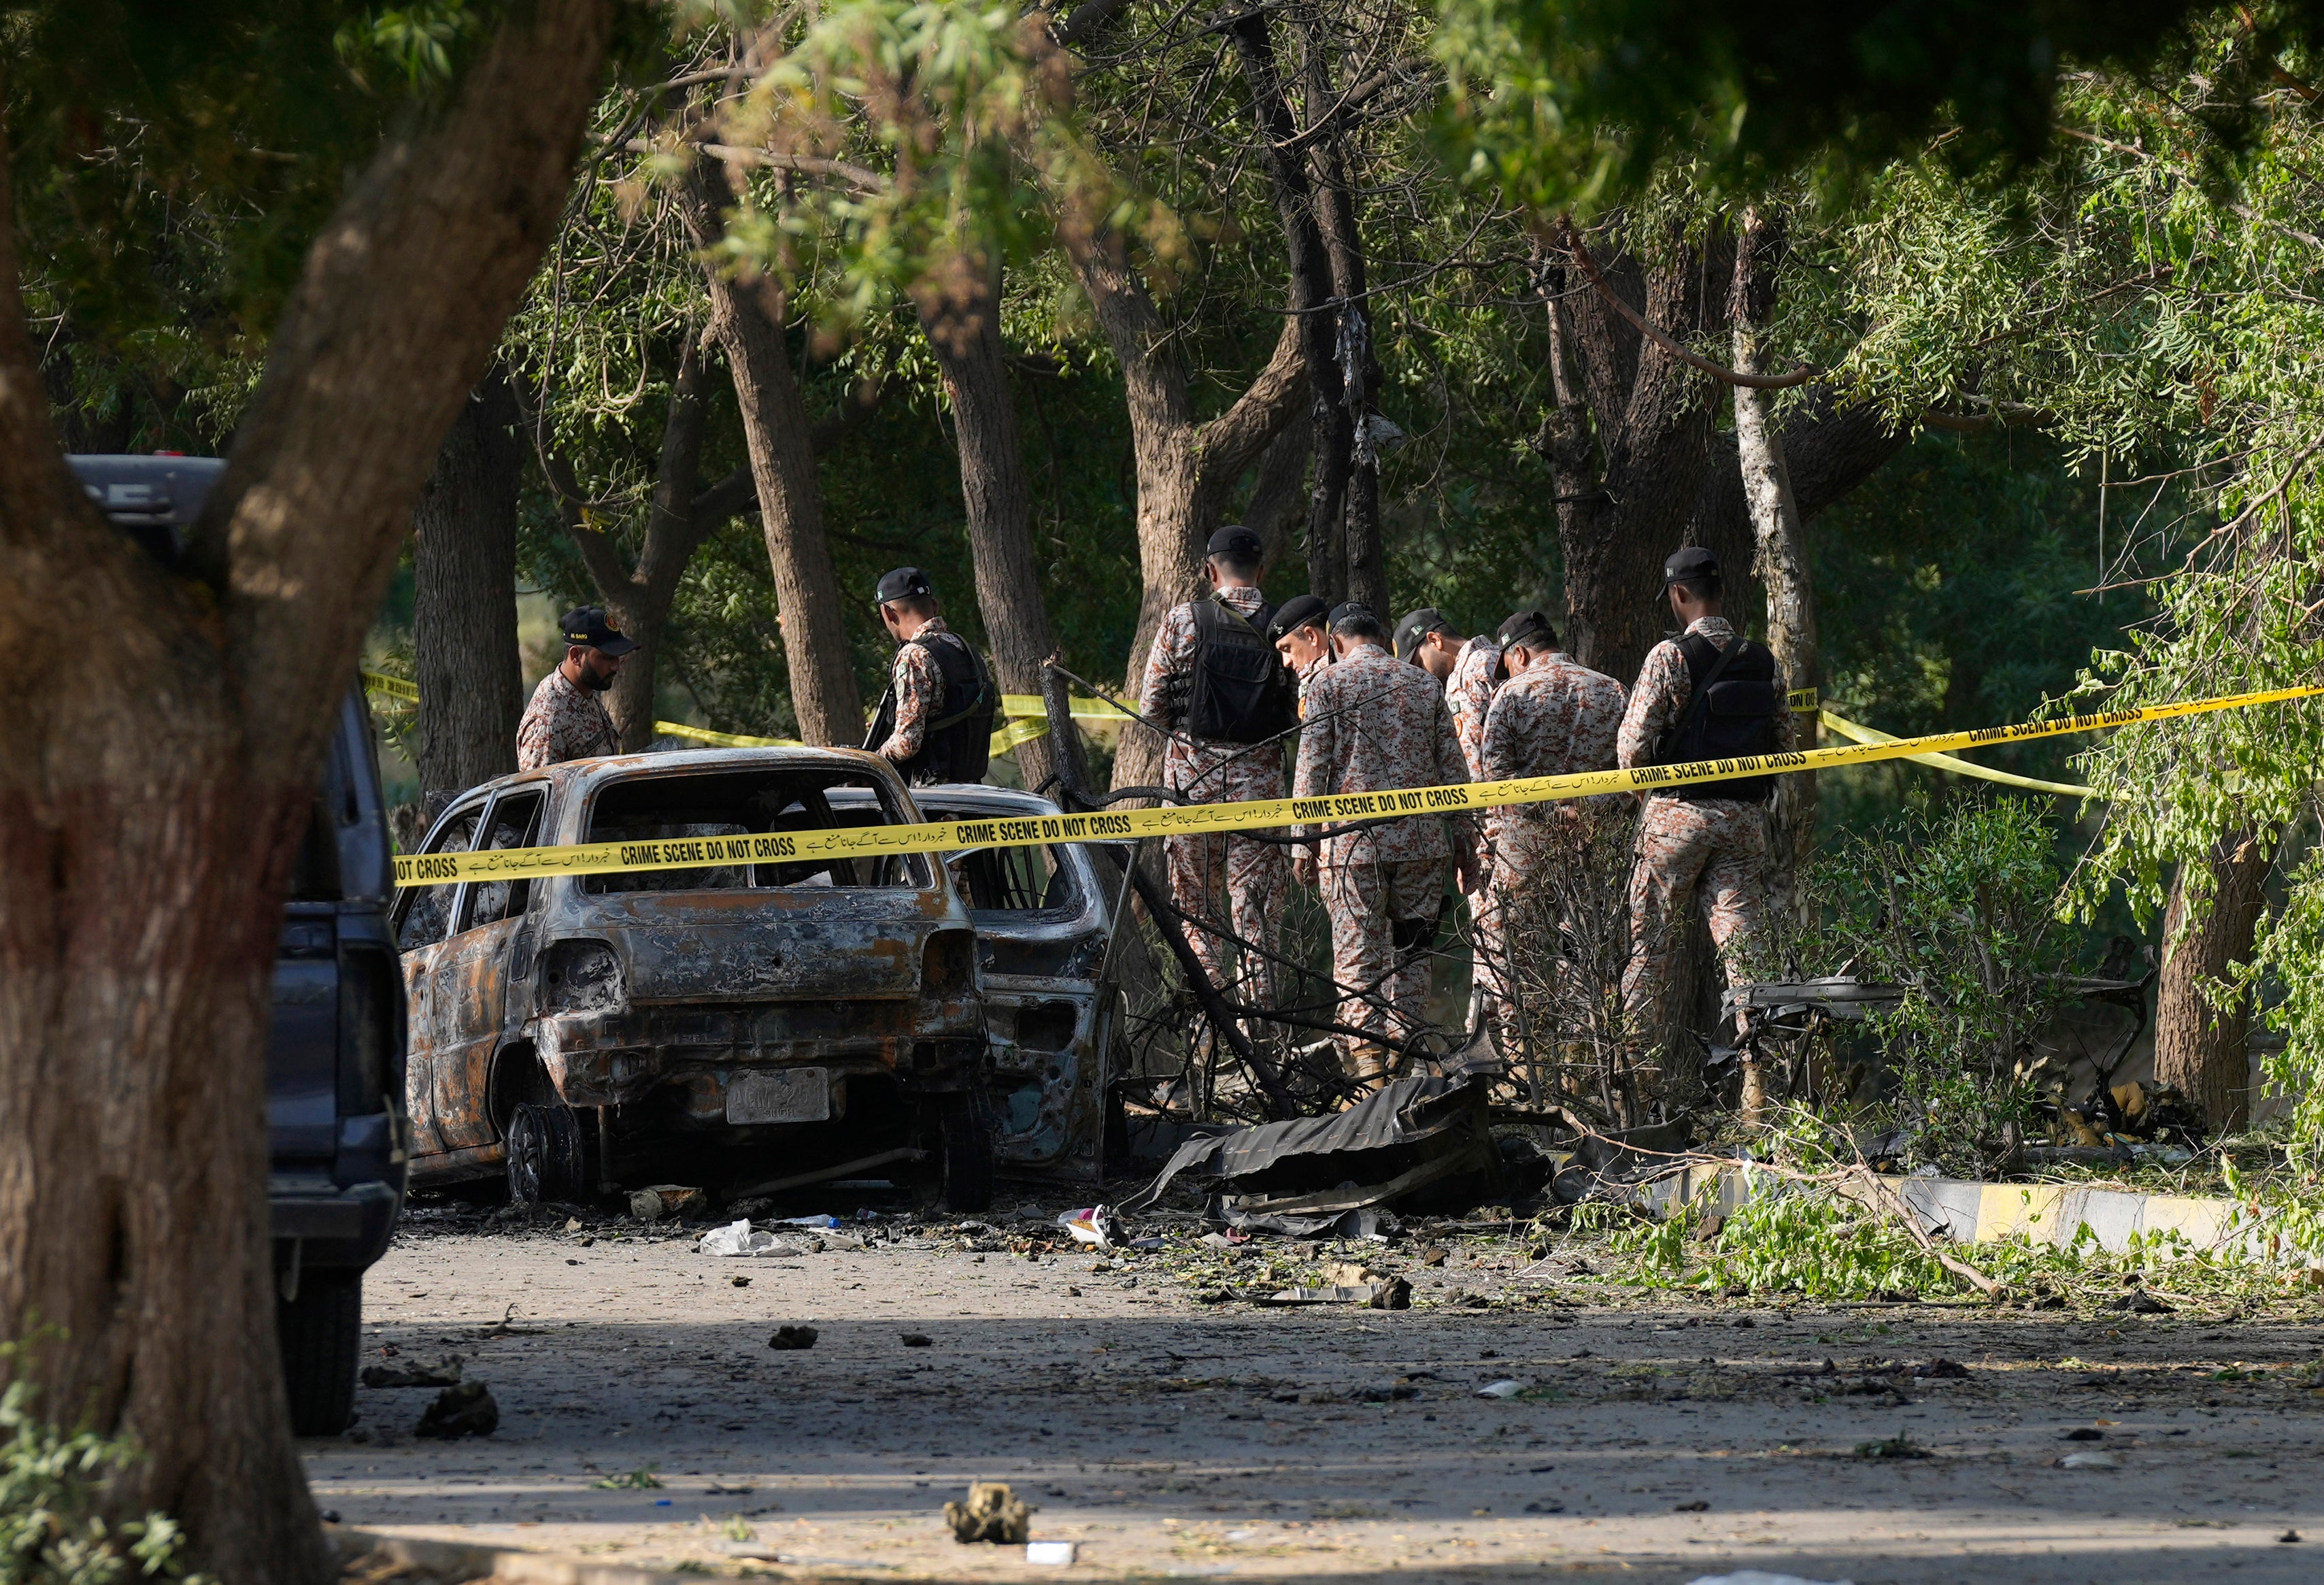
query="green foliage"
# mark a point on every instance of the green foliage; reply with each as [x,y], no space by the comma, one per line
[52,1525]
[1783,1240]
[1575,104]
[1956,909]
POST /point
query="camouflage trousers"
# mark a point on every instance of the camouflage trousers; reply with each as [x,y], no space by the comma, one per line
[1383,919]
[1715,852]
[1236,885]
[1515,912]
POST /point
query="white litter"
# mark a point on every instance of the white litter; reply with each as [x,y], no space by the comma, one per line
[741,1239]
[2089,1461]
[1761,1577]
[1050,1552]
[1501,1389]
[1092,1224]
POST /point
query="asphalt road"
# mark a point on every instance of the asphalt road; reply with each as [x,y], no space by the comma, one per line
[1169,1436]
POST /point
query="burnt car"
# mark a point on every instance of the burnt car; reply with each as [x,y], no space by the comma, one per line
[1046,958]
[750,1028]
[334,1053]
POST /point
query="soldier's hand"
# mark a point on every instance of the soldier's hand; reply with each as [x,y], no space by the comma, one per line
[1303,865]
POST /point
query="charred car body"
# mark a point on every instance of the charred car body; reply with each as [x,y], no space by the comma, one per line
[754,1026]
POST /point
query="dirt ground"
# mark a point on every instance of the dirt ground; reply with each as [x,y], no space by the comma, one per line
[1170,1433]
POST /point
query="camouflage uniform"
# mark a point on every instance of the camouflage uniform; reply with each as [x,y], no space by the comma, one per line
[1555,717]
[1717,847]
[1234,883]
[1469,694]
[1307,675]
[1373,724]
[919,685]
[564,721]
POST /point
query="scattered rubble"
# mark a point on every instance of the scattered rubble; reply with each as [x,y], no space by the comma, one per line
[466,1410]
[793,1337]
[447,1374]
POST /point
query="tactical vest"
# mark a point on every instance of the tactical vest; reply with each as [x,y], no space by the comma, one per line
[958,743]
[1241,692]
[1733,702]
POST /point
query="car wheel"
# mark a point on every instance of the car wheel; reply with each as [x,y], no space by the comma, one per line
[320,1333]
[965,1162]
[550,1156]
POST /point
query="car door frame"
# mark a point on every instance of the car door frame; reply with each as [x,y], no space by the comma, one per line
[419,967]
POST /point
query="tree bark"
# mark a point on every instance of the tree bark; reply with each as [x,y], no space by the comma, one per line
[965,337]
[2202,1050]
[1279,491]
[1185,470]
[1311,295]
[748,317]
[464,597]
[175,722]
[1781,558]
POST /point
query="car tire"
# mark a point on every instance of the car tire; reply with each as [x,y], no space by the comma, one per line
[320,1333]
[551,1156]
[965,1163]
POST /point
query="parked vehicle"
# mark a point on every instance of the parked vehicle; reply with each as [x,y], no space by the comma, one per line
[1045,919]
[335,1075]
[750,1028]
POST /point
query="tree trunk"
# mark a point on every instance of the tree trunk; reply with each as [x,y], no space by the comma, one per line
[748,317]
[1279,491]
[1185,470]
[175,724]
[464,597]
[1311,295]
[2202,1049]
[965,338]
[1781,559]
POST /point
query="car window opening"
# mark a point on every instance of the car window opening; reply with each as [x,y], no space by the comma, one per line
[748,803]
[1014,880]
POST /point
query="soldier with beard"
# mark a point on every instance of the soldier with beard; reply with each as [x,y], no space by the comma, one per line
[566,719]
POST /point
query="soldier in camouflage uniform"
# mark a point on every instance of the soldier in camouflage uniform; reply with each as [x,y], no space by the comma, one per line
[1553,716]
[565,718]
[1374,725]
[1716,847]
[1470,670]
[1234,883]
[1301,633]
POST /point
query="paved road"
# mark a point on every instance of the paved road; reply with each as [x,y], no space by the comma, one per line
[1174,1437]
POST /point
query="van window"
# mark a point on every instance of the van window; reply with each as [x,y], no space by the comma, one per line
[746,803]
[1015,880]
[515,818]
[428,915]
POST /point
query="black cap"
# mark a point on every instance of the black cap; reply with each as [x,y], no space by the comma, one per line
[1237,543]
[1299,611]
[587,625]
[1524,628]
[1416,626]
[1348,608]
[903,584]
[1688,565]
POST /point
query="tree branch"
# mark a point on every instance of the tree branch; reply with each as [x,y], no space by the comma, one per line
[1566,238]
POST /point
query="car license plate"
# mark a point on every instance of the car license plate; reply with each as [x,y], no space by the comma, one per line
[792,1095]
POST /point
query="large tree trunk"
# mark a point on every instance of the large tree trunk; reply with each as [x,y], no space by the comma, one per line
[464,597]
[965,337]
[174,726]
[748,317]
[1185,470]
[1781,558]
[1328,567]
[2202,1049]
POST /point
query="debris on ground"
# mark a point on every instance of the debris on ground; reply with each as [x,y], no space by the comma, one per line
[1057,1553]
[1093,1224]
[446,1374]
[2089,1461]
[660,1200]
[1419,1138]
[993,1513]
[1760,1576]
[739,1240]
[918,1339]
[1393,1293]
[466,1410]
[793,1337]
[1501,1389]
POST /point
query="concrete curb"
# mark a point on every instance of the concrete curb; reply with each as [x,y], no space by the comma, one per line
[413,1559]
[1971,1212]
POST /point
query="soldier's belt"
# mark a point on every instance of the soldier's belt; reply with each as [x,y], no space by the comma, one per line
[1260,814]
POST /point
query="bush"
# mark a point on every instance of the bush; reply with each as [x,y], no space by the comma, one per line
[52,1529]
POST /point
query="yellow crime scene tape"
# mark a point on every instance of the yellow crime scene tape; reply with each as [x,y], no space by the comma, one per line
[1026,718]
[1262,814]
[1866,734]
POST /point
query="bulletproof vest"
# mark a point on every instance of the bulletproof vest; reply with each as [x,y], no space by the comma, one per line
[1733,703]
[958,743]
[1241,692]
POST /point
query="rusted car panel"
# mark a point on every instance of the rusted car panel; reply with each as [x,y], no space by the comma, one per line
[1045,923]
[722,1026]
